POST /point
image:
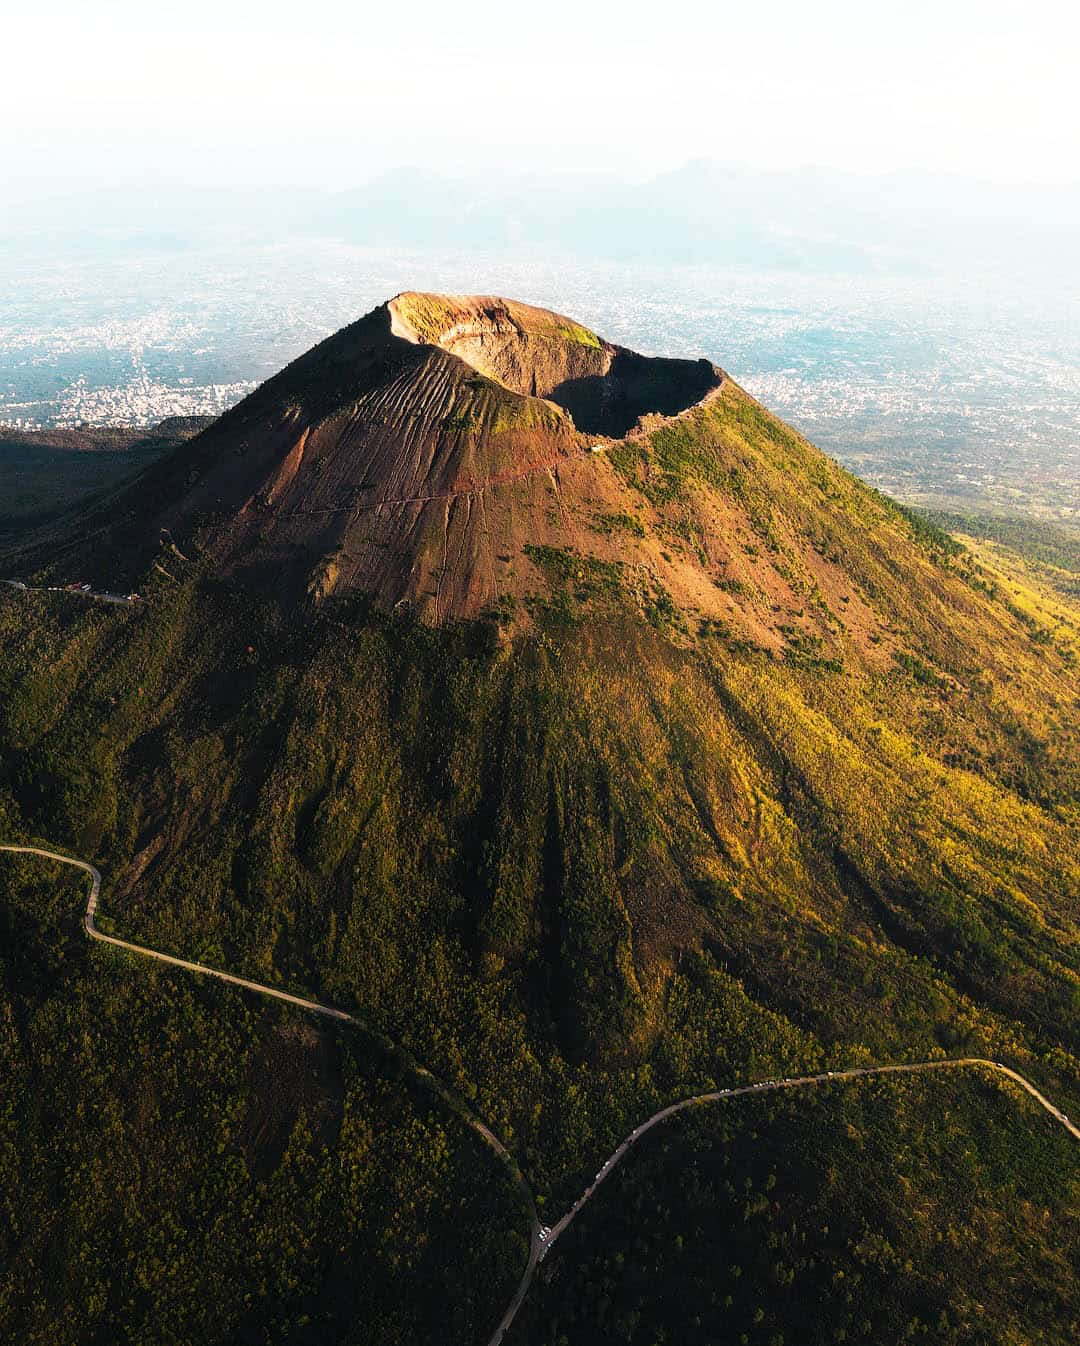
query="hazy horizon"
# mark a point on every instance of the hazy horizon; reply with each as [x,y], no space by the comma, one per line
[120,94]
[200,196]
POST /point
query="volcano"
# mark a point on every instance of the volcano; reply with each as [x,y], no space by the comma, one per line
[412,453]
[476,457]
[569,719]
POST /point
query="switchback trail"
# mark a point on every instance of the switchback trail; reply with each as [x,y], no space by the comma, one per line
[542,1237]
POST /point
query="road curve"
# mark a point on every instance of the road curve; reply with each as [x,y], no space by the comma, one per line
[547,1237]
[328,1012]
[541,1238]
[799,1082]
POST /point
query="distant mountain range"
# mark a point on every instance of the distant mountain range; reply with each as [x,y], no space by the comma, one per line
[813,219]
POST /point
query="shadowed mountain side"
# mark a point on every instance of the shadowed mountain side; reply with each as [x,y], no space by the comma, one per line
[45,473]
[634,386]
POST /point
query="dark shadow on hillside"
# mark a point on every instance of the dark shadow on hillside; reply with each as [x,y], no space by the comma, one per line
[611,403]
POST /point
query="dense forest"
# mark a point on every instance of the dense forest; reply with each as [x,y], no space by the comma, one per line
[180,1163]
[889,1211]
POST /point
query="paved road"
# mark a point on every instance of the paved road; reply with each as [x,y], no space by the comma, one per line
[314,1006]
[542,1238]
[547,1237]
[797,1082]
[101,597]
[327,1011]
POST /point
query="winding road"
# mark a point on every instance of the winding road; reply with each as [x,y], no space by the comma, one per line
[97,596]
[327,1011]
[798,1082]
[424,1075]
[545,1238]
[541,1237]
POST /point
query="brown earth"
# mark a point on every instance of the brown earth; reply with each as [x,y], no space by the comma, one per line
[467,456]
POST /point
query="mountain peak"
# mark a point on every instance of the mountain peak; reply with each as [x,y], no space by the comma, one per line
[536,352]
[470,455]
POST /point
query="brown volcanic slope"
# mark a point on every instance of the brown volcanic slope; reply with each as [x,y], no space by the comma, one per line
[474,455]
[414,451]
[411,450]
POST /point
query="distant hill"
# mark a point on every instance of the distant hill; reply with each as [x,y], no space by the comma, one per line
[813,220]
[44,472]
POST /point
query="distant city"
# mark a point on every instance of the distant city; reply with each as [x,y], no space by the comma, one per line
[961,394]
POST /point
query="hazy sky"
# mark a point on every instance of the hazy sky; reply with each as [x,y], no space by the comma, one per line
[116,93]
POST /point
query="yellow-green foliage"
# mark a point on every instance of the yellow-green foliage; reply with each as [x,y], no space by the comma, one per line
[339,810]
[1043,596]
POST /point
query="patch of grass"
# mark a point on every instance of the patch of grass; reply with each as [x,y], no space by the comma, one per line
[575,581]
[577,335]
[618,523]
[661,610]
[805,649]
[921,672]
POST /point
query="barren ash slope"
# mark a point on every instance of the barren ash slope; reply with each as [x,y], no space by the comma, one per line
[571,717]
[412,454]
[438,453]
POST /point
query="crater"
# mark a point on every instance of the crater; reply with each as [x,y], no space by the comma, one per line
[538,353]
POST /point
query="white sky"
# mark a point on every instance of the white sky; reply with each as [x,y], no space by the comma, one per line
[115,93]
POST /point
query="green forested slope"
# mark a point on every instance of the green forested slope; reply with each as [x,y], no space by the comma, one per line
[180,1163]
[576,876]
